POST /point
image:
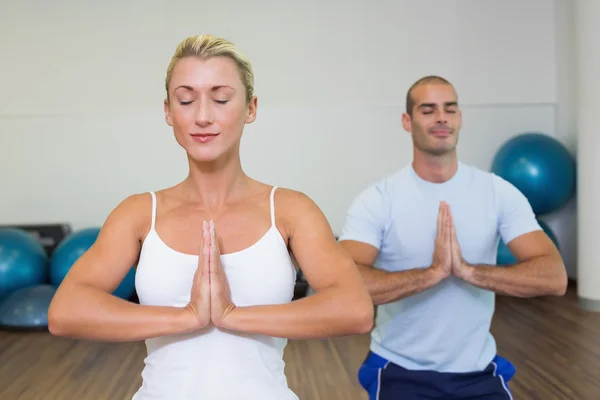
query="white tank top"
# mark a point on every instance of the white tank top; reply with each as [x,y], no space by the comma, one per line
[214,364]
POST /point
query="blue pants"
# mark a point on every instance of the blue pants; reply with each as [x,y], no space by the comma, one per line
[384,380]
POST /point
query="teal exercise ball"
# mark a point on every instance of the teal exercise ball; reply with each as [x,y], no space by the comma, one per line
[540,167]
[23,261]
[27,308]
[505,257]
[68,252]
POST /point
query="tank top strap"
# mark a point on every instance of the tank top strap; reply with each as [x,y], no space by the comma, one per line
[153,210]
[273,205]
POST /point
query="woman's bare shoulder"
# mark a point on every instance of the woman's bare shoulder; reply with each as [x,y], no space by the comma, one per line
[290,197]
[293,207]
[135,211]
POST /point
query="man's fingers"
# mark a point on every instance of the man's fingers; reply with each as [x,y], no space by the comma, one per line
[452,227]
[444,221]
[440,219]
[449,226]
[448,222]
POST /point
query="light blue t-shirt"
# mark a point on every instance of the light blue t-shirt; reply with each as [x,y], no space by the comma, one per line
[447,327]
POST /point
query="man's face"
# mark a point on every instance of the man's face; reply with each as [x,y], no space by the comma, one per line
[436,118]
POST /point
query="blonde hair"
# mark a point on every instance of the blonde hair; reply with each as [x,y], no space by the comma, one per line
[208,46]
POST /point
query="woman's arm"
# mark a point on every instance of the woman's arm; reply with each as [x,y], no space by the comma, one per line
[341,304]
[84,307]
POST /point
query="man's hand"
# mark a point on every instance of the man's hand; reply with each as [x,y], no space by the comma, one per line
[460,268]
[442,254]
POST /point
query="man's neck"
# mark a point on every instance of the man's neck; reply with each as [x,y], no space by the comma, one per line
[435,169]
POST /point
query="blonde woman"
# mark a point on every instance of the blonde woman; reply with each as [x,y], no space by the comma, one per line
[215,276]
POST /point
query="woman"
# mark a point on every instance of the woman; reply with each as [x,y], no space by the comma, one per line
[214,276]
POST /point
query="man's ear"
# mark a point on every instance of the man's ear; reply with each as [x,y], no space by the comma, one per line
[407,122]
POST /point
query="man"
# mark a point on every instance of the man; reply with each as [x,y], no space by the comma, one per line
[425,240]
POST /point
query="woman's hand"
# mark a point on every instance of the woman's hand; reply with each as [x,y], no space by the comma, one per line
[200,305]
[221,305]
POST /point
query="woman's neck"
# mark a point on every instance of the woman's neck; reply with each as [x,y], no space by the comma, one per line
[211,185]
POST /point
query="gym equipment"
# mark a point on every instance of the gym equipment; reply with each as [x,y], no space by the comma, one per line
[23,261]
[71,248]
[49,235]
[540,167]
[27,308]
[505,257]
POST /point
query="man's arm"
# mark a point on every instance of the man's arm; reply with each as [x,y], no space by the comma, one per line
[539,270]
[383,286]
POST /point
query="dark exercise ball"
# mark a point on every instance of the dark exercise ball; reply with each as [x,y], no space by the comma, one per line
[540,167]
[505,257]
[27,308]
[23,261]
[68,252]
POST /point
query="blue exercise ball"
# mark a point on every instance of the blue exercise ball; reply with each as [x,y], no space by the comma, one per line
[68,252]
[540,167]
[23,261]
[27,307]
[505,257]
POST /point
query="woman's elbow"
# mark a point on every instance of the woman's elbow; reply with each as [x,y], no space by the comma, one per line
[363,314]
[57,318]
[55,326]
[366,321]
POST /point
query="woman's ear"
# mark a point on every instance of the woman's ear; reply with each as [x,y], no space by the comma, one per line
[252,108]
[167,107]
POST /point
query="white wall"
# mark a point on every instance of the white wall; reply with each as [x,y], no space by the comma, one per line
[85,83]
[564,222]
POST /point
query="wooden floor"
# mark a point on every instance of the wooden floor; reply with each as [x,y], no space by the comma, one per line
[554,345]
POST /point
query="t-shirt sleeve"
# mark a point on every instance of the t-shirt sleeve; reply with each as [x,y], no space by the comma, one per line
[515,214]
[367,217]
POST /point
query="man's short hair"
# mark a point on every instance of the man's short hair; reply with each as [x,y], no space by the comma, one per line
[410,103]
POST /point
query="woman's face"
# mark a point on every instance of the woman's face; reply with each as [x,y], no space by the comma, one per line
[207,107]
